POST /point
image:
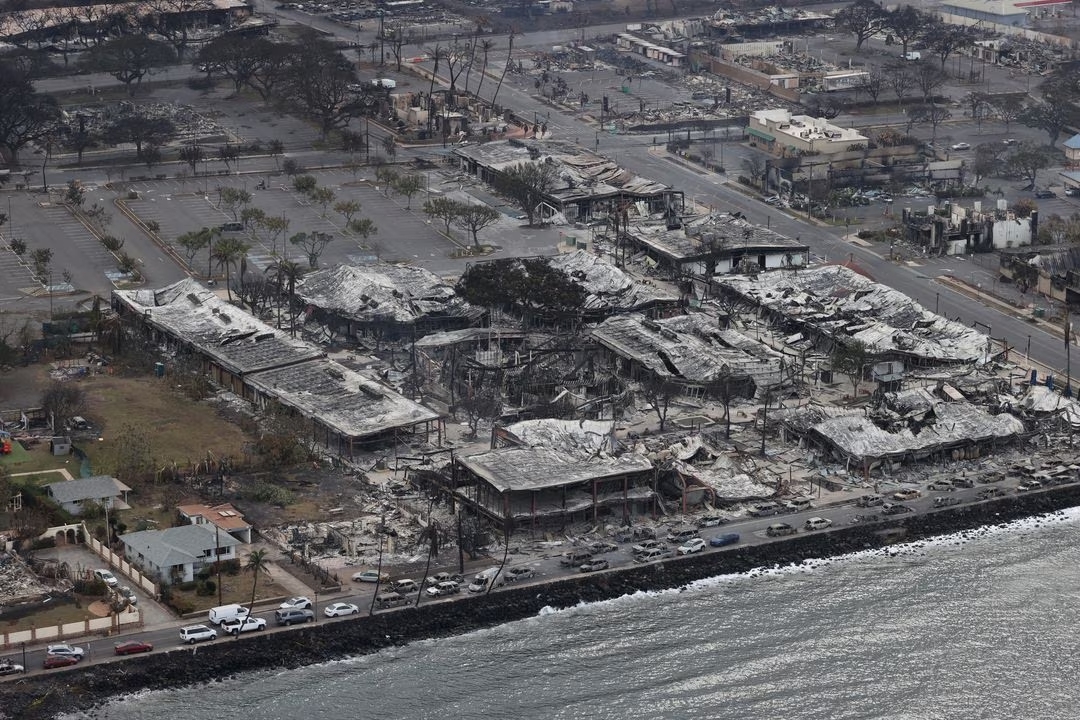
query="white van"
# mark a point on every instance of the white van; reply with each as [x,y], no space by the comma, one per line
[224,613]
[482,579]
[913,55]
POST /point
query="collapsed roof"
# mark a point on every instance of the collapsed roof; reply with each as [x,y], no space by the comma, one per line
[537,468]
[711,235]
[383,293]
[608,287]
[690,348]
[843,304]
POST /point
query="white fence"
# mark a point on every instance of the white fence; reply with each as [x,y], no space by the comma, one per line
[105,626]
[126,569]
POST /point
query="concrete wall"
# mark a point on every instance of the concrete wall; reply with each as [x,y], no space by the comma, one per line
[1011,233]
[126,620]
[117,562]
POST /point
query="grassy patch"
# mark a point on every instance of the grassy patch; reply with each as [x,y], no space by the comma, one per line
[180,430]
[234,589]
[37,457]
[57,614]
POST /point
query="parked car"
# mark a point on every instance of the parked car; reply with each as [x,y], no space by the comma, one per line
[129,595]
[906,495]
[1071,191]
[389,600]
[106,577]
[817,523]
[869,501]
[679,535]
[1045,194]
[371,576]
[299,602]
[447,577]
[242,625]
[231,227]
[341,608]
[9,668]
[941,485]
[58,661]
[599,548]
[961,146]
[646,546]
[1028,485]
[963,482]
[131,647]
[1010,141]
[288,616]
[946,501]
[519,573]
[990,492]
[711,521]
[692,546]
[798,505]
[779,530]
[65,649]
[654,554]
[725,539]
[763,509]
[406,586]
[196,633]
[443,589]
[575,558]
[624,536]
[894,509]
[594,565]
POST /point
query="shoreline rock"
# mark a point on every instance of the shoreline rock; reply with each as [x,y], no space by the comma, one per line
[82,689]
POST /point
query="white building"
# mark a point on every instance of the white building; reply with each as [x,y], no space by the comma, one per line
[778,130]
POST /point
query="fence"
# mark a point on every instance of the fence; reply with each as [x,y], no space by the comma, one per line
[132,617]
[127,569]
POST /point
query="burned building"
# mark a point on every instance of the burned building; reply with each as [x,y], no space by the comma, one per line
[587,186]
[550,474]
[384,301]
[713,244]
[954,230]
[691,352]
[835,306]
[343,410]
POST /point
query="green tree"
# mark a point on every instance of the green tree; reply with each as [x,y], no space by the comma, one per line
[474,217]
[322,196]
[304,184]
[444,209]
[25,114]
[61,402]
[140,131]
[257,562]
[273,227]
[192,243]
[387,176]
[285,274]
[851,357]
[232,199]
[129,58]
[907,24]
[252,217]
[408,185]
[527,184]
[1008,108]
[987,160]
[312,244]
[347,208]
[364,227]
[1028,160]
[863,18]
[226,253]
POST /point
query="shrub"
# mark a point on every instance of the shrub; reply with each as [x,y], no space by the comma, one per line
[182,605]
[206,589]
[187,586]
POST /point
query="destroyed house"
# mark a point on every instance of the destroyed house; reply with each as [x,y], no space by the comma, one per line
[342,410]
[690,351]
[554,486]
[610,290]
[229,343]
[587,186]
[711,245]
[834,305]
[384,301]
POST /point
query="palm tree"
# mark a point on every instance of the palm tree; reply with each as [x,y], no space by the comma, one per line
[209,235]
[509,53]
[256,563]
[485,46]
[285,273]
[226,254]
[378,569]
[436,54]
[429,536]
[508,530]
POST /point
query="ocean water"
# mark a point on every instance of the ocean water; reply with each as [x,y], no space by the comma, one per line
[979,625]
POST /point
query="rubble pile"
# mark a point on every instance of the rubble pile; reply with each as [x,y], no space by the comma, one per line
[17,581]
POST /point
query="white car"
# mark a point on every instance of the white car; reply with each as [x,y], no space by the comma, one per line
[961,146]
[106,577]
[299,602]
[196,633]
[338,609]
[448,587]
[693,546]
[67,650]
[817,523]
[239,625]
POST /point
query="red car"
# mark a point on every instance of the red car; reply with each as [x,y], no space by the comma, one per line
[131,647]
[59,661]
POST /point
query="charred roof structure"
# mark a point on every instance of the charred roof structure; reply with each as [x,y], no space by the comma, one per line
[712,244]
[573,474]
[610,289]
[690,351]
[835,305]
[588,186]
[346,411]
[386,301]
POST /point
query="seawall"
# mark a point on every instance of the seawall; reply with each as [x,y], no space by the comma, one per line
[45,695]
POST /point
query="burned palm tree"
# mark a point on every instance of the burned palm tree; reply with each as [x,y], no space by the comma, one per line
[429,536]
